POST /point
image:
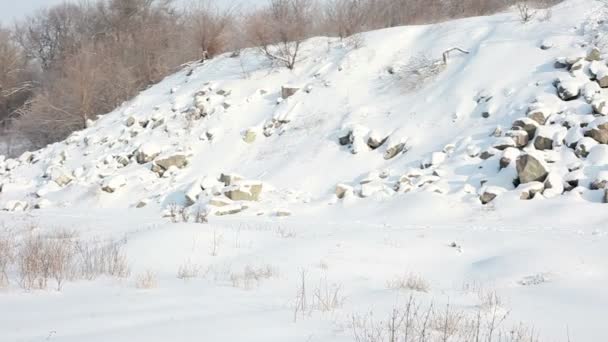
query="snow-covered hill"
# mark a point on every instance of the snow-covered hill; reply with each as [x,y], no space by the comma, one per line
[385,161]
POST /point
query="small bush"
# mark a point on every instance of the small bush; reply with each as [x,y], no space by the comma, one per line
[146,280]
[409,281]
[252,276]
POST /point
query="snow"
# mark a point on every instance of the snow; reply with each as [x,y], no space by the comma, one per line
[346,214]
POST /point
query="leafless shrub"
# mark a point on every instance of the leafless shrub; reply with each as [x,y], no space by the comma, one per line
[418,322]
[418,70]
[251,276]
[146,280]
[7,256]
[324,297]
[33,263]
[409,281]
[98,258]
[188,270]
[525,11]
[201,215]
[216,241]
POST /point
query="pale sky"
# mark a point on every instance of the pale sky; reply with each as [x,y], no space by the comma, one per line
[16,9]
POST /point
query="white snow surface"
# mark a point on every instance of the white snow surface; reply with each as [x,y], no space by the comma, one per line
[418,212]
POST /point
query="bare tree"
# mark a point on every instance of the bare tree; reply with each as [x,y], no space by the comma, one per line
[209,25]
[279,30]
[346,17]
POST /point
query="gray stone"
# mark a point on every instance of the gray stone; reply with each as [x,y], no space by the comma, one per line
[287,91]
[179,161]
[246,191]
[530,169]
[599,135]
[594,55]
[543,143]
[487,197]
[394,150]
[230,178]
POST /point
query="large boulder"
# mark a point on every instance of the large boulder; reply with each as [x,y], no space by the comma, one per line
[530,169]
[538,113]
[520,138]
[528,125]
[178,161]
[375,140]
[230,178]
[543,143]
[568,90]
[244,191]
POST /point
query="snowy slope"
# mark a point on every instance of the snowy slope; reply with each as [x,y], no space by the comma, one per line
[418,211]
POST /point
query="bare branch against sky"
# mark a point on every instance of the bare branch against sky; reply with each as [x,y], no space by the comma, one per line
[16,9]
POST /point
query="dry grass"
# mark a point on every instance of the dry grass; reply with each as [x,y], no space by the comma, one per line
[415,321]
[146,280]
[409,281]
[58,257]
[251,276]
[188,270]
[321,297]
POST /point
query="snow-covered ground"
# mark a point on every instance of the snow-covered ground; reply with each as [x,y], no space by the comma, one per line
[367,227]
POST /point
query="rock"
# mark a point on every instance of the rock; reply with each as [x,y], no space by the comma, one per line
[147,152]
[591,91]
[211,186]
[342,190]
[528,125]
[554,185]
[15,205]
[368,189]
[394,148]
[473,151]
[130,121]
[220,202]
[60,176]
[245,191]
[43,204]
[568,90]
[497,132]
[585,145]
[178,161]
[142,203]
[530,169]
[347,139]
[546,44]
[538,113]
[375,140]
[490,193]
[283,213]
[594,55]
[605,196]
[529,190]
[520,138]
[249,136]
[599,135]
[508,156]
[112,184]
[229,210]
[599,106]
[502,144]
[230,178]
[193,192]
[543,143]
[485,155]
[598,155]
[288,91]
